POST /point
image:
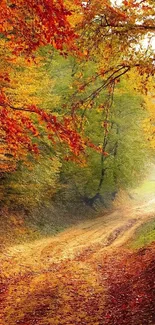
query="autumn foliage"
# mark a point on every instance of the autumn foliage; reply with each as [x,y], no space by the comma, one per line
[24,27]
[27,25]
[83,30]
[130,298]
[100,105]
[114,289]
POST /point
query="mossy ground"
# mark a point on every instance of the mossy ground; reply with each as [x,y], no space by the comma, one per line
[144,235]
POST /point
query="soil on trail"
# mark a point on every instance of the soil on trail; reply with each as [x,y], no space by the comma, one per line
[107,232]
[65,279]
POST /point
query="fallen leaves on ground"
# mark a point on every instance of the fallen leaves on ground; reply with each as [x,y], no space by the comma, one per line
[114,288]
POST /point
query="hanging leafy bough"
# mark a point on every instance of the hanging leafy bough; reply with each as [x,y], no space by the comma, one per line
[24,26]
[104,31]
[20,132]
[30,24]
[118,39]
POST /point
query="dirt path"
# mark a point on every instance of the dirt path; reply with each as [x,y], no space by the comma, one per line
[107,232]
[62,280]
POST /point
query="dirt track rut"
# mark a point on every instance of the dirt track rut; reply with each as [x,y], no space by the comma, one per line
[107,232]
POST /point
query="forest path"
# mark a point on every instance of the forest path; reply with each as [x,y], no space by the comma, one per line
[104,233]
[63,280]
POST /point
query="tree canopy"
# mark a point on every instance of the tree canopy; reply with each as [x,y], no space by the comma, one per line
[99,32]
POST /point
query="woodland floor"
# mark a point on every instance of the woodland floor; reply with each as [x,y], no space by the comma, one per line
[87,274]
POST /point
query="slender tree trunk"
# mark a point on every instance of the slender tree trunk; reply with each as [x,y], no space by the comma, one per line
[115,152]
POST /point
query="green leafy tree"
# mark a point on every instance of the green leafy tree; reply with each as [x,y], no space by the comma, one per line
[119,131]
[32,184]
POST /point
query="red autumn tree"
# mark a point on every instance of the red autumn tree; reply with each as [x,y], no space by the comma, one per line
[106,32]
[24,26]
